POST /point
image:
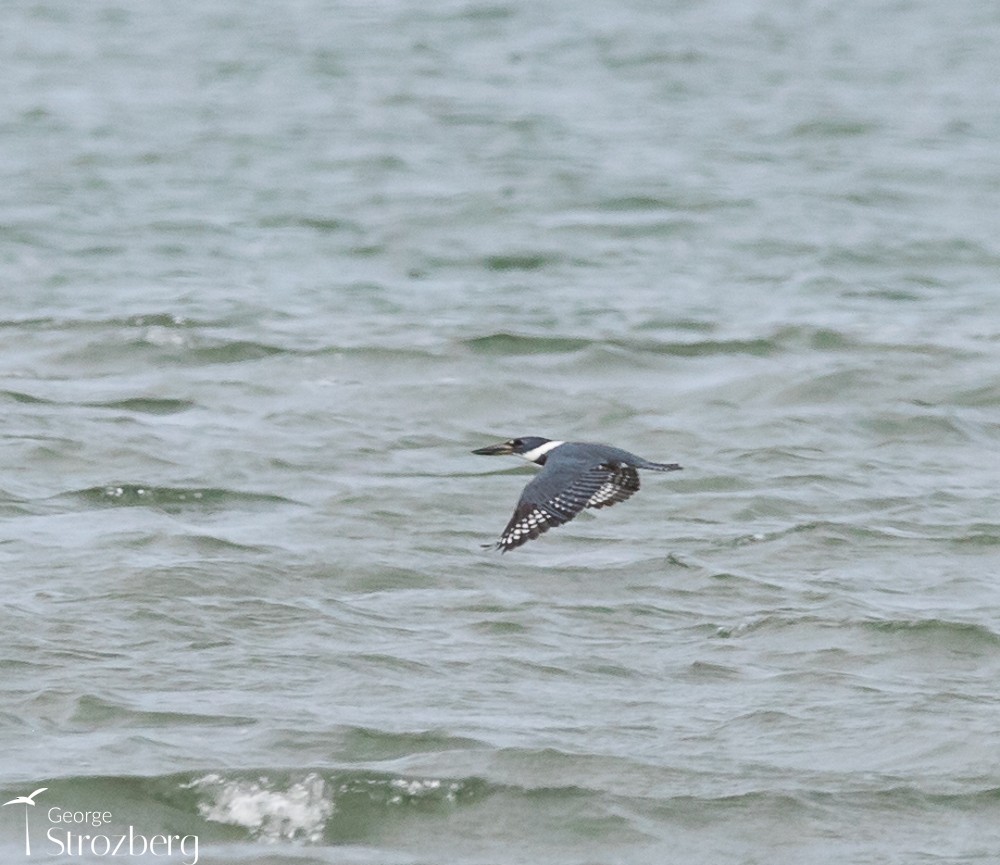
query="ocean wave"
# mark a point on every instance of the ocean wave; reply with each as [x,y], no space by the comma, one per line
[147,405]
[838,533]
[159,319]
[366,743]
[26,398]
[781,340]
[926,634]
[828,532]
[233,351]
[165,336]
[171,498]
[320,224]
[142,404]
[950,633]
[266,805]
[778,341]
[89,711]
[325,806]
[978,535]
[183,349]
[519,261]
[313,806]
[503,343]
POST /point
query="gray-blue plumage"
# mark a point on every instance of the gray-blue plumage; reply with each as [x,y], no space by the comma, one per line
[574,476]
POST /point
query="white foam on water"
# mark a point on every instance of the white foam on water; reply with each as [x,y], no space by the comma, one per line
[270,811]
[409,788]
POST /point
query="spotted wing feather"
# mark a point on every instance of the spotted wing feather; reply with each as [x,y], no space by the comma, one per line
[541,506]
[623,483]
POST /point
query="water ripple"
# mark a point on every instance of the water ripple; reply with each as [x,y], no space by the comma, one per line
[171,498]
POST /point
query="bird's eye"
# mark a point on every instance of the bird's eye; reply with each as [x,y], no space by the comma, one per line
[515,443]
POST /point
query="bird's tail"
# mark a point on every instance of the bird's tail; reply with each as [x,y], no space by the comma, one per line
[662,467]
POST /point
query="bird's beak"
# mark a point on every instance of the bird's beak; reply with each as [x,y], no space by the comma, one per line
[495,450]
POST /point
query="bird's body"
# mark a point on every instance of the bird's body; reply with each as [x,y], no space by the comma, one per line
[574,476]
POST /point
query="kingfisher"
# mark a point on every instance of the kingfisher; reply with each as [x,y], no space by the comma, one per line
[574,476]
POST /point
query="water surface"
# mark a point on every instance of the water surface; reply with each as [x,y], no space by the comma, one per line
[270,275]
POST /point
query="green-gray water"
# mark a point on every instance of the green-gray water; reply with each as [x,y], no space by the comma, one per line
[271,271]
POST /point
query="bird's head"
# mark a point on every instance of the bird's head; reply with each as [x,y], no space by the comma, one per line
[530,447]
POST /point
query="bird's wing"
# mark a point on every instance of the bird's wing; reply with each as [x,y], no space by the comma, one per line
[547,502]
[25,800]
[622,483]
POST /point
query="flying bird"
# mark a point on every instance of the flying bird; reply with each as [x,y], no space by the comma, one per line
[25,800]
[574,476]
